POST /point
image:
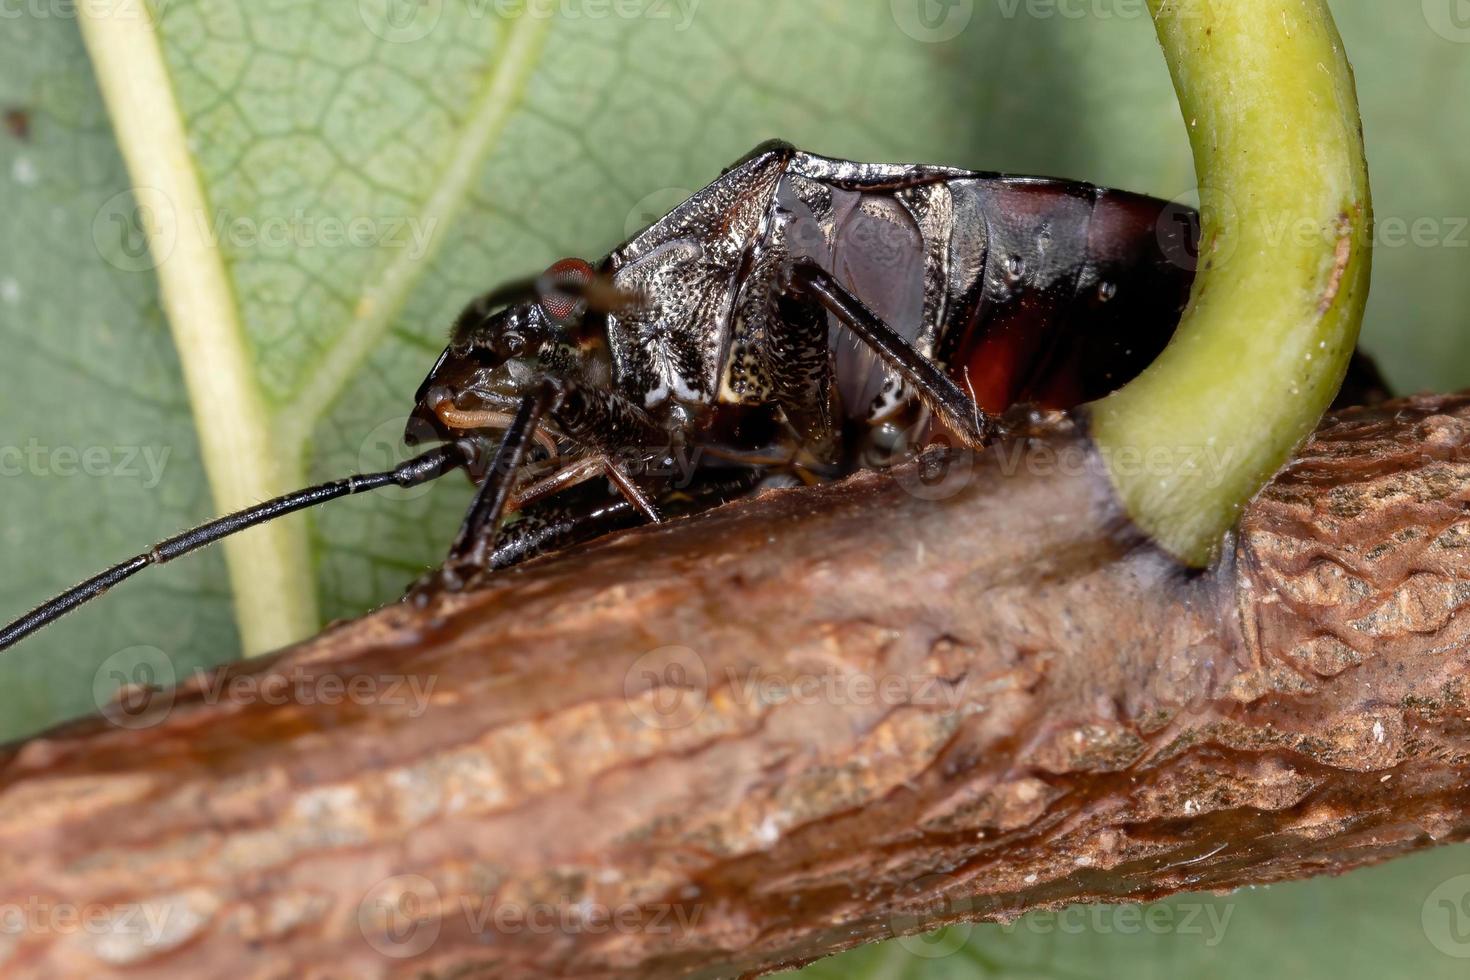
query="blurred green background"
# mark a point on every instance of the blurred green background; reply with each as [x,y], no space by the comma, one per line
[510,145]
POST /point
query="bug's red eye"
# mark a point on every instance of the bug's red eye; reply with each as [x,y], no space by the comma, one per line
[562,306]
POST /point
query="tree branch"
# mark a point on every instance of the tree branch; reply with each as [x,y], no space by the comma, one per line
[801,722]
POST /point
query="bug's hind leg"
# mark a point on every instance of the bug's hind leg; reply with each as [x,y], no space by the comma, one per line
[806,278]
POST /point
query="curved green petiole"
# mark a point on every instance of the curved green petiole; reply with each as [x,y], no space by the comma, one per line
[1284,263]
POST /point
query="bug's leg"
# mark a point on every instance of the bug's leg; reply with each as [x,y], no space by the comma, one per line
[565,509]
[937,389]
[600,420]
[580,472]
[631,491]
[571,475]
[586,512]
[557,523]
[476,537]
[621,430]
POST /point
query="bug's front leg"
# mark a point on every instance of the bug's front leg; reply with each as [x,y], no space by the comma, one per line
[476,538]
[600,422]
[805,278]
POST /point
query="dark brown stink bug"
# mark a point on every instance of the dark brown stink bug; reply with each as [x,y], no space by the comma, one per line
[799,318]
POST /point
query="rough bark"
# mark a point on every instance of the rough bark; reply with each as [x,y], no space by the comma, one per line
[796,724]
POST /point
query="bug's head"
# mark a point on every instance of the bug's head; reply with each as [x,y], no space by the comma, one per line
[500,347]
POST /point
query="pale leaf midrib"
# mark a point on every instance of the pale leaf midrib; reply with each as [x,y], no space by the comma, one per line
[380,305]
[270,574]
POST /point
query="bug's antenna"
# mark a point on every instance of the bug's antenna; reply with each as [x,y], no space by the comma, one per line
[421,469]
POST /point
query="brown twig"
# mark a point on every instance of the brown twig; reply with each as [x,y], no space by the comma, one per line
[802,722]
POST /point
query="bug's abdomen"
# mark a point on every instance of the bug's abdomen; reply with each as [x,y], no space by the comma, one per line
[1080,289]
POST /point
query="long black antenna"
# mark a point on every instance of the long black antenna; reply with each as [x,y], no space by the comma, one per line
[421,469]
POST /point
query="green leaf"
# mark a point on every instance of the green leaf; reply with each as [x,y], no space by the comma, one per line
[1404,919]
[510,142]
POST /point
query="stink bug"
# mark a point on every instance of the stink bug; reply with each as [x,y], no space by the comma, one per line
[797,319]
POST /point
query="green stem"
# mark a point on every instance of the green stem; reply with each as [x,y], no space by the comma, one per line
[1285,257]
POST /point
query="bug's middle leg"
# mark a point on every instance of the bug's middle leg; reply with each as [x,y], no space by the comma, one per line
[805,278]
